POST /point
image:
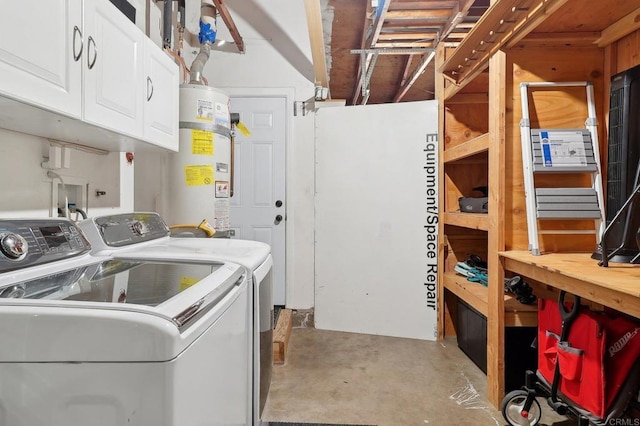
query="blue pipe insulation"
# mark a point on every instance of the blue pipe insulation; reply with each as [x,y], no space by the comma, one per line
[207,33]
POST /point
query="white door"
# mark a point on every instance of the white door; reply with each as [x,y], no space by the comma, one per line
[113,69]
[161,107]
[41,53]
[258,205]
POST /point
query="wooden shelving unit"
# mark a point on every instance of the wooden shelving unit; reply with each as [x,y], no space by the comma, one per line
[472,147]
[477,296]
[467,220]
[477,85]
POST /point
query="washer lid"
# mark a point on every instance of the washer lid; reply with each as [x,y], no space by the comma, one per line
[114,310]
[249,254]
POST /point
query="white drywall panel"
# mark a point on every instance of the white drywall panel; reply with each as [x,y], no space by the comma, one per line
[376,219]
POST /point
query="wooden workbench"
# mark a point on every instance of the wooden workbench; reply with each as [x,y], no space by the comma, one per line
[617,286]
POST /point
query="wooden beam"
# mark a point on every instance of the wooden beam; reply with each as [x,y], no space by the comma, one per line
[398,35]
[228,21]
[504,24]
[381,13]
[496,238]
[423,65]
[457,15]
[316,37]
[407,44]
[369,41]
[582,39]
[434,14]
[617,30]
[421,5]
[281,336]
[358,86]
[405,73]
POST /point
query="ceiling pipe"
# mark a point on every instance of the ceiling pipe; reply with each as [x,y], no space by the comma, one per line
[207,38]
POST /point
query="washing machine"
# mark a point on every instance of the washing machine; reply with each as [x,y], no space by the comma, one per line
[98,340]
[113,235]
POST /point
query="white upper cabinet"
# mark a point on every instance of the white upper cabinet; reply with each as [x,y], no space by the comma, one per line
[113,67]
[41,47]
[161,97]
[80,71]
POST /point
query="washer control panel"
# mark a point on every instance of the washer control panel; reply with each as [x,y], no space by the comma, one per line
[130,228]
[29,242]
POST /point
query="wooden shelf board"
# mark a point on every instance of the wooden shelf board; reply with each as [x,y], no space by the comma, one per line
[467,220]
[616,286]
[472,293]
[467,149]
[476,295]
[505,22]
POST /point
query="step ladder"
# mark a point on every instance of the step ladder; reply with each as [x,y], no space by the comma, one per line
[561,151]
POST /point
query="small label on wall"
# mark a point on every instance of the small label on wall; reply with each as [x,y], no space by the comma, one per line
[198,175]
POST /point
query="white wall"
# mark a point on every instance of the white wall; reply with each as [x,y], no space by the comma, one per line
[27,190]
[277,62]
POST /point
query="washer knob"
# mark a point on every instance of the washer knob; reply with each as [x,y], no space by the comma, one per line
[13,246]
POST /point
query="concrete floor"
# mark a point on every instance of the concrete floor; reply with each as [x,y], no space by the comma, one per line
[334,377]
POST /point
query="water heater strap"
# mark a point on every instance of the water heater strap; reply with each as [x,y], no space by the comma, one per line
[215,128]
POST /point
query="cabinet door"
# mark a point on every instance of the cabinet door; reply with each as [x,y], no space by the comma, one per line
[113,69]
[40,54]
[161,100]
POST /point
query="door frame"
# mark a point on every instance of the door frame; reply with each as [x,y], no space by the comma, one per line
[289,95]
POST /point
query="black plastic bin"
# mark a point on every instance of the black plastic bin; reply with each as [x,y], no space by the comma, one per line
[519,355]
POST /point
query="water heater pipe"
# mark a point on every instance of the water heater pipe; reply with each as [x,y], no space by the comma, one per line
[167,17]
[234,118]
[207,37]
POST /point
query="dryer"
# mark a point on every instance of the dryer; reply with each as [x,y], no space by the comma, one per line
[114,235]
[99,340]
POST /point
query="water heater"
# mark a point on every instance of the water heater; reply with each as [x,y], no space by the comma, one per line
[200,171]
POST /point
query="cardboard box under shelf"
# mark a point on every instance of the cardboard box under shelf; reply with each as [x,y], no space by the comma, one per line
[519,355]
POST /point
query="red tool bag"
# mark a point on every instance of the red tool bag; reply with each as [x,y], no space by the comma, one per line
[594,362]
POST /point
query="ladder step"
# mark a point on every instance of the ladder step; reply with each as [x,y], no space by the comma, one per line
[563,192]
[568,214]
[569,151]
[567,203]
[568,199]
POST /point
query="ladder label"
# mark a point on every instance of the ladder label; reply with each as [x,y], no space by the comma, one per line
[563,148]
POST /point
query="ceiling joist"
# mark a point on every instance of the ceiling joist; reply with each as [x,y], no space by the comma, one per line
[410,28]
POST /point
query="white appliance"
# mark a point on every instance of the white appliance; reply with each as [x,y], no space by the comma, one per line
[200,172]
[253,255]
[99,340]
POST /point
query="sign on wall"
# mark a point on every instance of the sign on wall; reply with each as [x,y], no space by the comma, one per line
[377,219]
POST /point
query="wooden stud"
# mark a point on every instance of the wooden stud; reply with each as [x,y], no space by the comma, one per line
[281,336]
[623,27]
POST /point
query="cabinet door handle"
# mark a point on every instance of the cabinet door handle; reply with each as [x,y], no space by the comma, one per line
[77,31]
[149,84]
[91,63]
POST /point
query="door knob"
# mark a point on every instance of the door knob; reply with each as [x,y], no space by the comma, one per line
[278,219]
